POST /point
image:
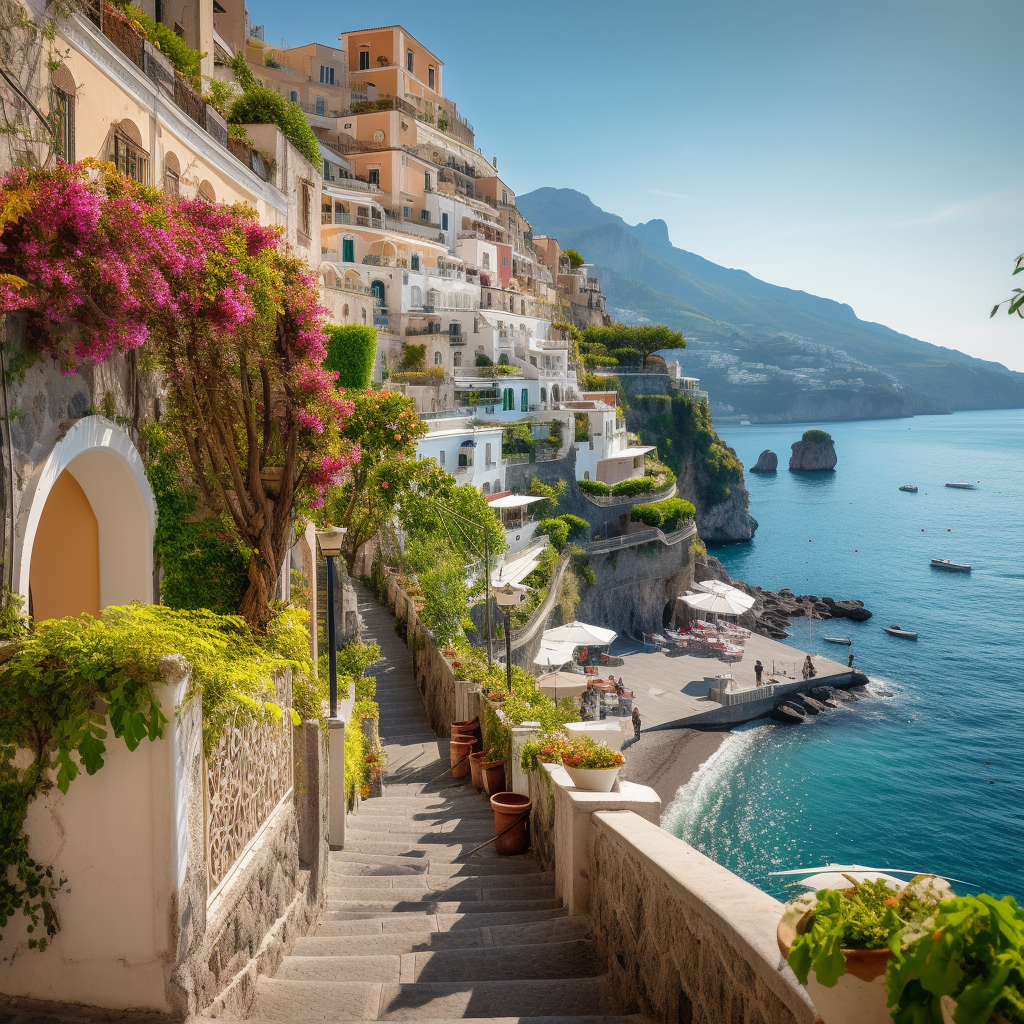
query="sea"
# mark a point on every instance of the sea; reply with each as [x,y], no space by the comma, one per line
[926,773]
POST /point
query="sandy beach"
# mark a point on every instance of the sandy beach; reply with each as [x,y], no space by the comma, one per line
[665,759]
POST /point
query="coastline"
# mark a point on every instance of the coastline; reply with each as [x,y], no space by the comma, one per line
[666,759]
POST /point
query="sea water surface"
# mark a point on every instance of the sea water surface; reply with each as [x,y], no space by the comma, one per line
[927,774]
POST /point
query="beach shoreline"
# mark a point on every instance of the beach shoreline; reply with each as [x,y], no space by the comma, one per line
[666,759]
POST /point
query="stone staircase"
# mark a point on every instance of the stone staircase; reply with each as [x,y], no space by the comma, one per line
[418,925]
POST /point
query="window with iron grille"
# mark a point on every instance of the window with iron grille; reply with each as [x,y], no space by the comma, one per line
[130,160]
[64,141]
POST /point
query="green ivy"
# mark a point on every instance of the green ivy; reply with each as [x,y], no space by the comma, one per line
[186,61]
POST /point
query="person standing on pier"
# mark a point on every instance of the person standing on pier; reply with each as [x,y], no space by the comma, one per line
[758,669]
[849,661]
[636,724]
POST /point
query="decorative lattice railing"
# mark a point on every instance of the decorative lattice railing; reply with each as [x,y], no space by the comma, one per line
[248,775]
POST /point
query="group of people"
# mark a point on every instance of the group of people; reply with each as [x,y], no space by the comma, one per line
[809,671]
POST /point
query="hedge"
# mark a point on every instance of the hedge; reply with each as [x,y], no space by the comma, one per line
[634,486]
[666,515]
[557,531]
[351,352]
[579,528]
[593,487]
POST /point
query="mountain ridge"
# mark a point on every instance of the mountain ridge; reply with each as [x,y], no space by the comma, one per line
[740,329]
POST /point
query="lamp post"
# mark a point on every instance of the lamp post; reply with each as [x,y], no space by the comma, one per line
[508,597]
[330,541]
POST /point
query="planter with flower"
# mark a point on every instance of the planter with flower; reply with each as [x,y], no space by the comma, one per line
[591,765]
[870,954]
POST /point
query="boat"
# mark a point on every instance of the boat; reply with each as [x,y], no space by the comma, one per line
[962,487]
[784,713]
[844,640]
[948,566]
[894,630]
[744,423]
[909,488]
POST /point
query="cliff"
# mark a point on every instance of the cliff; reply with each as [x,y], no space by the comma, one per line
[815,451]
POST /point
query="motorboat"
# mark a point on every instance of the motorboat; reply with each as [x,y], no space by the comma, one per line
[894,630]
[844,640]
[947,566]
[787,714]
[909,488]
[962,487]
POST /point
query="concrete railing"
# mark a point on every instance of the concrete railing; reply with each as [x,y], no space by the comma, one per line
[524,634]
[610,500]
[685,532]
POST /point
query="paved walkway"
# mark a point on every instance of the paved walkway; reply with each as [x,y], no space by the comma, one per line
[418,927]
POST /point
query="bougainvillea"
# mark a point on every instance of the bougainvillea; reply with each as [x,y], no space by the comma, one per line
[97,263]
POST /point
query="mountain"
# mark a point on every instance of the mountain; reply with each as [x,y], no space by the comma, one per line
[766,352]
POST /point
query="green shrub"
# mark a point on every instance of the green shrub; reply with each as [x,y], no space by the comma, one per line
[579,529]
[552,494]
[666,515]
[186,61]
[557,531]
[414,357]
[579,562]
[626,356]
[816,436]
[582,427]
[634,486]
[575,259]
[351,352]
[482,360]
[420,378]
[593,487]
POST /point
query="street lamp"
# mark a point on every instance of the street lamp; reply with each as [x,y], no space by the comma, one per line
[508,597]
[330,541]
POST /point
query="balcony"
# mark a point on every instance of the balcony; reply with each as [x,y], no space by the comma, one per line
[338,217]
[386,261]
[311,108]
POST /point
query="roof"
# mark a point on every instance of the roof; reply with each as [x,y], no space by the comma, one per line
[382,28]
[515,501]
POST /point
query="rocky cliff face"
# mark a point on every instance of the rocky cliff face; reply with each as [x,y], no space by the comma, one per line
[811,455]
[767,462]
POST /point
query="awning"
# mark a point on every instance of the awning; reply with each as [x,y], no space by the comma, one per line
[515,500]
[514,572]
[631,452]
[579,634]
[553,655]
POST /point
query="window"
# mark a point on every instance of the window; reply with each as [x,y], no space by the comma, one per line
[504,197]
[440,457]
[64,142]
[425,216]
[293,97]
[321,107]
[504,261]
[524,401]
[444,221]
[306,208]
[408,60]
[373,176]
[327,177]
[456,359]
[378,292]
[348,250]
[487,261]
[414,261]
[508,400]
[131,160]
[586,474]
[326,75]
[488,300]
[430,77]
[344,311]
[172,177]
[416,296]
[437,362]
[407,212]
[426,180]
[543,392]
[487,454]
[364,59]
[522,309]
[206,192]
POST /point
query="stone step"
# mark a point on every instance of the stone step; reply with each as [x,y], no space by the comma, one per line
[282,999]
[560,929]
[486,862]
[396,924]
[464,891]
[348,909]
[456,829]
[570,959]
[437,883]
[371,818]
[443,849]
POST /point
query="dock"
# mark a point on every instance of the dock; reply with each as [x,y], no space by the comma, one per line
[672,689]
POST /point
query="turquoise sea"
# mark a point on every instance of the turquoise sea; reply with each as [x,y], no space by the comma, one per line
[928,773]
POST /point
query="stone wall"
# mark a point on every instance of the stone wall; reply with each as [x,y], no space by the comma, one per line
[683,938]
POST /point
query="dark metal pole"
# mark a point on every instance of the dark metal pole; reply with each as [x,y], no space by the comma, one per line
[487,599]
[332,639]
[508,647]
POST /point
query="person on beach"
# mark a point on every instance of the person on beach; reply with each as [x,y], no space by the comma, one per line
[758,669]
[636,724]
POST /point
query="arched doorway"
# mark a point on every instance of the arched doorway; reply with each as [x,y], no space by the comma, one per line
[377,288]
[87,541]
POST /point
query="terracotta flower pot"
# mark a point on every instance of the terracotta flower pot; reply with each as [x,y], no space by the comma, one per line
[494,776]
[594,780]
[471,727]
[458,751]
[510,809]
[859,996]
[476,773]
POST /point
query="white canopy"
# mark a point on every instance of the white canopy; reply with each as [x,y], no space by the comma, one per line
[562,684]
[580,634]
[717,587]
[720,604]
[632,451]
[514,572]
[515,501]
[554,655]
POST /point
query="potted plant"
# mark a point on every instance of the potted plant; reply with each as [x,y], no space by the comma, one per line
[492,767]
[870,953]
[546,750]
[476,772]
[591,765]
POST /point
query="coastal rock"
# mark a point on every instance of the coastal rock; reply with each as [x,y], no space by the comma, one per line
[767,462]
[814,452]
[729,522]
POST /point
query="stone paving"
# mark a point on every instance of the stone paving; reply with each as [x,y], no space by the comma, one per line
[419,927]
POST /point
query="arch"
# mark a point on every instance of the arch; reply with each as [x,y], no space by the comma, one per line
[485,488]
[456,359]
[437,358]
[543,394]
[554,392]
[61,78]
[378,290]
[95,463]
[293,96]
[344,310]
[206,192]
[416,295]
[130,130]
[586,474]
[172,174]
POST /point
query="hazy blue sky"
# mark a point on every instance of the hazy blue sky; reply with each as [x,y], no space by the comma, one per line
[868,152]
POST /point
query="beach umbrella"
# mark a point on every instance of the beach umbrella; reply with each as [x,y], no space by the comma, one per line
[554,655]
[562,684]
[580,635]
[720,604]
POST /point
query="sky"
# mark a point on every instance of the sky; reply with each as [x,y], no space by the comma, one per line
[869,152]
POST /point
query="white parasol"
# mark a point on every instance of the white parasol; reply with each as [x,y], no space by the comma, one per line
[554,655]
[562,684]
[720,604]
[580,635]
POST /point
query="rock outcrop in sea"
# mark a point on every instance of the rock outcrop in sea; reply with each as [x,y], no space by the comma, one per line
[815,451]
[767,462]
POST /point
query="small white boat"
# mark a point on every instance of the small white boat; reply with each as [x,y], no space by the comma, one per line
[962,487]
[845,640]
[946,565]
[744,423]
[909,488]
[894,630]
